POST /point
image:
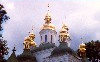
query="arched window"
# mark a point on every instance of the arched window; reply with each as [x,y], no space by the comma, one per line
[61,38]
[45,38]
[51,38]
[41,38]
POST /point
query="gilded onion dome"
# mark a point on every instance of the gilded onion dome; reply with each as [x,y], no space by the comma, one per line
[48,24]
[48,19]
[82,48]
[82,45]
[29,41]
[64,35]
[64,29]
[33,44]
[32,37]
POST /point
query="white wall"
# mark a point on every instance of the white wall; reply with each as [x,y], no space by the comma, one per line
[43,54]
[48,33]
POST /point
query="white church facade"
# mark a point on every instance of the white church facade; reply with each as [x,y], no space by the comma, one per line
[47,51]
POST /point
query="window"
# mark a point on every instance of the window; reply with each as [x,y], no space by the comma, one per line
[61,38]
[45,38]
[51,38]
[41,38]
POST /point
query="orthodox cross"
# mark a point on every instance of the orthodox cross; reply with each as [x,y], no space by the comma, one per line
[48,7]
[14,49]
[82,40]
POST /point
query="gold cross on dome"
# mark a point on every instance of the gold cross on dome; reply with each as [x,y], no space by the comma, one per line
[48,7]
[82,40]
[32,28]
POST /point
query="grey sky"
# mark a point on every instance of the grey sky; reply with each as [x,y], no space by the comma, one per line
[82,18]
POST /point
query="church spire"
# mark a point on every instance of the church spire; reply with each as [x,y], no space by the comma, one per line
[48,17]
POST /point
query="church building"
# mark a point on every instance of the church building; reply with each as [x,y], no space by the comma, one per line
[47,51]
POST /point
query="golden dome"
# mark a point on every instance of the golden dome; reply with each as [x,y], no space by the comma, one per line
[64,29]
[64,34]
[48,15]
[32,35]
[82,50]
[48,26]
[47,18]
[27,39]
[82,45]
[33,44]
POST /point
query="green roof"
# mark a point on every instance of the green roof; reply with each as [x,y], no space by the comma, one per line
[62,49]
[44,46]
[26,56]
[12,58]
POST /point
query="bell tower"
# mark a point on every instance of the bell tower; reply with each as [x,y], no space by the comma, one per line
[48,32]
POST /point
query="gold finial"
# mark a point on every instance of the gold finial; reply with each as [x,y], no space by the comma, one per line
[32,35]
[48,7]
[82,40]
[47,20]
[32,28]
[48,17]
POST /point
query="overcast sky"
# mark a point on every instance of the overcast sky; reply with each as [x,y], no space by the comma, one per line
[82,18]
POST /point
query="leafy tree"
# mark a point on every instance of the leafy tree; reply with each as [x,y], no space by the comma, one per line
[3,43]
[93,50]
[3,49]
[3,16]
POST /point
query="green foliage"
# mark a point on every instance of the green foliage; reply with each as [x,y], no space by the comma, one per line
[3,49]
[3,43]
[93,50]
[3,16]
